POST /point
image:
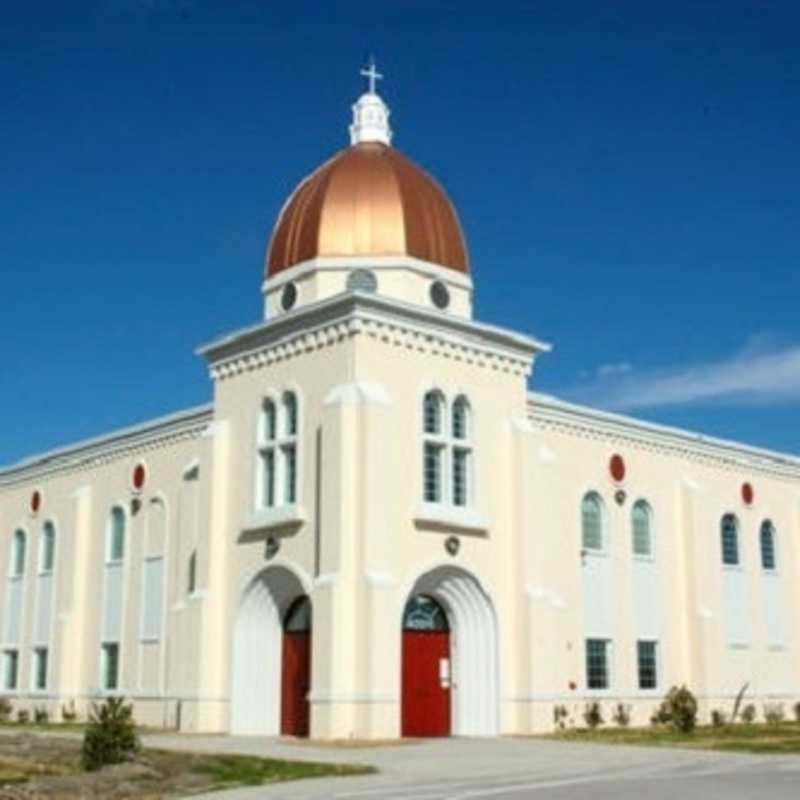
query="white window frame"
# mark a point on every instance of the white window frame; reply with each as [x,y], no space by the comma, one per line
[604,532]
[739,565]
[110,535]
[35,655]
[657,654]
[609,654]
[775,560]
[50,526]
[104,687]
[7,653]
[651,554]
[20,535]
[277,448]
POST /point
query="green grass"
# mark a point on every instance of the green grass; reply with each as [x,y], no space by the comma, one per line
[250,771]
[782,738]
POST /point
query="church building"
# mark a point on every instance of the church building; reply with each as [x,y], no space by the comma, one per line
[376,529]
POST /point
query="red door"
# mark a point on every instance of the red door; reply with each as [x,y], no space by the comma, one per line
[295,683]
[426,684]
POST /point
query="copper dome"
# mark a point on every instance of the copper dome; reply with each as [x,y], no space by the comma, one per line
[368,200]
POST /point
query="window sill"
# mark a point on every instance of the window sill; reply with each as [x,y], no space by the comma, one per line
[281,520]
[451,519]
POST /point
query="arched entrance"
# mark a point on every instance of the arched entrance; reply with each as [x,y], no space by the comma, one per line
[426,669]
[296,668]
[458,657]
[272,603]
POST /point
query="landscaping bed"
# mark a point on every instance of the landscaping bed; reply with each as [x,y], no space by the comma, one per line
[38,765]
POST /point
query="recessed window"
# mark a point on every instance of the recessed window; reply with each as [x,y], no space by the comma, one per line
[10,669]
[432,469]
[116,535]
[729,532]
[191,581]
[109,666]
[18,554]
[47,553]
[277,451]
[646,656]
[592,522]
[597,673]
[767,541]
[642,533]
[39,667]
[423,613]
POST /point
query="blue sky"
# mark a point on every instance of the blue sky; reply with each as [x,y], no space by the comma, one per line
[626,173]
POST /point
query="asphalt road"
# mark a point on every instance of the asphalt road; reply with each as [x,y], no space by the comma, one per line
[514,769]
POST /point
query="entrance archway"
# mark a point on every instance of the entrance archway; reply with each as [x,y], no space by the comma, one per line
[467,672]
[257,669]
[296,668]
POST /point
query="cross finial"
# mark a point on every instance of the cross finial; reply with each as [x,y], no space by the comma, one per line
[372,75]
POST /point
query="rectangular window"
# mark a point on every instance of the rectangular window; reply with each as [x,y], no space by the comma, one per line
[268,466]
[432,470]
[648,667]
[39,677]
[10,669]
[460,476]
[289,474]
[109,666]
[597,663]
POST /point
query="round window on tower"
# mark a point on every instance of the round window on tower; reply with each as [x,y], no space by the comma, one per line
[440,296]
[362,280]
[288,297]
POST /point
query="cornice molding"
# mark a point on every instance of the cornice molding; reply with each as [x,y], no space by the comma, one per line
[551,414]
[125,442]
[351,314]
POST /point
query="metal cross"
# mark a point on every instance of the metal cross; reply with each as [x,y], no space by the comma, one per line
[372,75]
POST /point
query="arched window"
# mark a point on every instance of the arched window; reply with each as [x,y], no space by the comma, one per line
[592,522]
[433,411]
[277,452]
[434,447]
[462,451]
[641,519]
[115,551]
[423,613]
[289,448]
[767,541]
[729,532]
[18,554]
[47,548]
[266,453]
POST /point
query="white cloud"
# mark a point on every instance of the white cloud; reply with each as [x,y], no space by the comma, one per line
[753,375]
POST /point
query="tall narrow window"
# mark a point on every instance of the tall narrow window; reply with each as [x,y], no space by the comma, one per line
[116,540]
[642,533]
[47,552]
[289,448]
[462,451]
[111,633]
[434,447]
[767,541]
[647,664]
[18,555]
[15,589]
[10,669]
[191,580]
[109,666]
[39,669]
[266,451]
[592,522]
[43,616]
[277,447]
[729,532]
[597,672]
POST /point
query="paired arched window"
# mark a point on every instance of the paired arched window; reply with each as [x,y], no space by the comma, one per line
[592,533]
[447,450]
[277,451]
[767,543]
[642,524]
[729,533]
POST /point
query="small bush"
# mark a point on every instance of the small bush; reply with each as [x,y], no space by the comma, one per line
[593,715]
[796,708]
[560,715]
[68,713]
[678,709]
[774,714]
[110,737]
[719,718]
[41,715]
[6,709]
[23,716]
[749,714]
[622,715]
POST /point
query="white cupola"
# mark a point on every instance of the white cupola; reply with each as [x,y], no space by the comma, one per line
[370,114]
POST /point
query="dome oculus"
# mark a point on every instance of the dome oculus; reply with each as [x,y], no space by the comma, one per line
[440,296]
[288,297]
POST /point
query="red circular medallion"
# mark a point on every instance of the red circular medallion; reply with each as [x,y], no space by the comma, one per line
[36,501]
[747,493]
[138,477]
[616,466]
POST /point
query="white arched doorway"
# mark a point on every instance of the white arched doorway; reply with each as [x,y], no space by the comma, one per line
[472,677]
[257,664]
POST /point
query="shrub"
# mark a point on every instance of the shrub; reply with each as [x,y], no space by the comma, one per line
[796,708]
[593,715]
[560,715]
[749,714]
[40,715]
[719,718]
[6,709]
[110,736]
[678,709]
[773,713]
[68,713]
[622,715]
[23,716]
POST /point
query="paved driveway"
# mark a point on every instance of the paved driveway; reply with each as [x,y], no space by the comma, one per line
[513,769]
